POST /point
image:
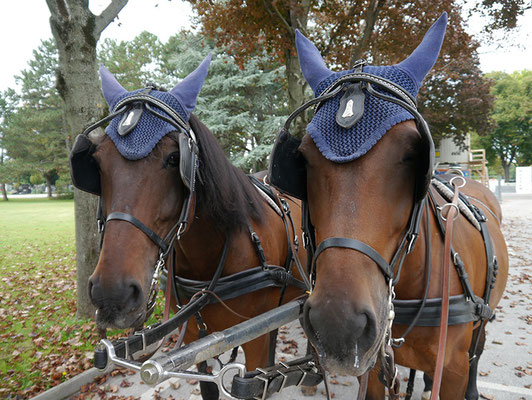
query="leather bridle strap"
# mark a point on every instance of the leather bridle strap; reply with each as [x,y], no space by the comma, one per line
[452,213]
[349,243]
[139,225]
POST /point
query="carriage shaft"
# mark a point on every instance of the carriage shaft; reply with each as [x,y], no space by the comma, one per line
[156,370]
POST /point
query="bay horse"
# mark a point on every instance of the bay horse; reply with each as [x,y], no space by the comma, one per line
[164,182]
[365,167]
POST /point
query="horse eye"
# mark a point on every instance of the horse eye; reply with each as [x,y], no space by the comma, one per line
[409,158]
[172,160]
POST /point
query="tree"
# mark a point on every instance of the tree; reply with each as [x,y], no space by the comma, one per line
[33,134]
[379,30]
[7,105]
[511,138]
[243,108]
[76,31]
[134,63]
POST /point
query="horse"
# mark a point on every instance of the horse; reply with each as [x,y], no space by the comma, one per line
[165,183]
[375,210]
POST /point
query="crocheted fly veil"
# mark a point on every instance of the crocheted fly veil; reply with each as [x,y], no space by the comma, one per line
[375,116]
[135,134]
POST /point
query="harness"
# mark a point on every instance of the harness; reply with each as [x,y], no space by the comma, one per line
[287,172]
[86,176]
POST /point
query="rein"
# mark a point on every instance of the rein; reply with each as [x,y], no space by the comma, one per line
[449,218]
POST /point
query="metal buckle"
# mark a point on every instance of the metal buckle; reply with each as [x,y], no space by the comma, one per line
[266,385]
[305,238]
[283,382]
[303,376]
[180,230]
[411,242]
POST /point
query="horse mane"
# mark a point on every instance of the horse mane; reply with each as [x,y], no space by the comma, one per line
[224,191]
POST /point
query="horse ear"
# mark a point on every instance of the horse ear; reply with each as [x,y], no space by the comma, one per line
[312,65]
[423,58]
[111,89]
[188,89]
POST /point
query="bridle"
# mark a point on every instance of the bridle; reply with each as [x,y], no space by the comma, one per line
[388,91]
[132,107]
[398,96]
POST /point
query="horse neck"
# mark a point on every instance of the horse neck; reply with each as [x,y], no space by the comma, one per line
[199,250]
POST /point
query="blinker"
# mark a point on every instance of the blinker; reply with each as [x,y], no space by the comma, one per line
[130,119]
[351,106]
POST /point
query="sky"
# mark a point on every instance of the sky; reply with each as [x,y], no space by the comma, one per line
[22,31]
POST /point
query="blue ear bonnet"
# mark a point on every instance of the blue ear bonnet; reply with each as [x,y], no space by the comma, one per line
[343,145]
[150,129]
[340,144]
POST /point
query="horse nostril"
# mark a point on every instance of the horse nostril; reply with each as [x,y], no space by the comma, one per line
[134,295]
[95,292]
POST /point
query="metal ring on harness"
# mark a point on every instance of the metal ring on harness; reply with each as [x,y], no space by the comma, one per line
[449,205]
[458,177]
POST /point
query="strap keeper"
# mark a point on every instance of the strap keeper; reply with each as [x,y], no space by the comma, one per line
[411,242]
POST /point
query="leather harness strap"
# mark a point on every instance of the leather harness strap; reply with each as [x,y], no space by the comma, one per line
[353,244]
[449,221]
[139,225]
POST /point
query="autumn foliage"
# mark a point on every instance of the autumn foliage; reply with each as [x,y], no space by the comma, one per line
[455,98]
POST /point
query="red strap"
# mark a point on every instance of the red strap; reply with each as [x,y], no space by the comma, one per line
[440,358]
[168,294]
[363,386]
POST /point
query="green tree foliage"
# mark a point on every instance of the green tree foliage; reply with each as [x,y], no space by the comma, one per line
[135,62]
[244,107]
[511,137]
[7,105]
[33,134]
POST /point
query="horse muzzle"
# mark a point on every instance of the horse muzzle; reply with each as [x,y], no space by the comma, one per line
[346,342]
[121,306]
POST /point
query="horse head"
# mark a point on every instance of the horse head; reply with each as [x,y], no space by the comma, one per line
[143,168]
[368,159]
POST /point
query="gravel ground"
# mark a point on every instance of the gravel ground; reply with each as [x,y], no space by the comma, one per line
[505,367]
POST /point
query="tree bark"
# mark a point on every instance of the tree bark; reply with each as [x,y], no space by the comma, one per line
[506,169]
[48,179]
[3,185]
[297,19]
[371,17]
[76,32]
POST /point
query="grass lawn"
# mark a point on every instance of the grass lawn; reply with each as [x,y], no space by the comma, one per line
[37,282]
[42,343]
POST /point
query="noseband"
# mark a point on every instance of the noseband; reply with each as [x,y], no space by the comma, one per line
[131,107]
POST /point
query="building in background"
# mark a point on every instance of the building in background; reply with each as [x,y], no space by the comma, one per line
[471,162]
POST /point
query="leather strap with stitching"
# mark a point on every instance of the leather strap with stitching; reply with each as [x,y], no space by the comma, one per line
[131,219]
[349,243]
[440,358]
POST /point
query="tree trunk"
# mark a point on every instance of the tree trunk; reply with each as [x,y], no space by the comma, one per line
[76,32]
[296,92]
[48,179]
[3,185]
[298,18]
[506,169]
[371,17]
